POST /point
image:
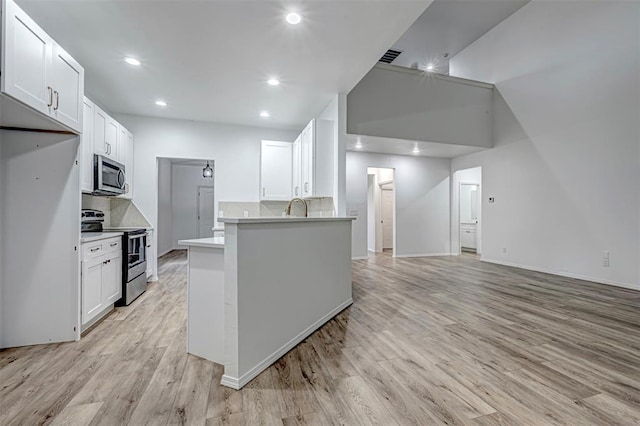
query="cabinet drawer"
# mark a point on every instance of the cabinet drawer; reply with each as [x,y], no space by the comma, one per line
[114,244]
[92,250]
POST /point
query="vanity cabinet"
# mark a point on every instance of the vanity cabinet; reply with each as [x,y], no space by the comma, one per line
[101,278]
[468,236]
[38,72]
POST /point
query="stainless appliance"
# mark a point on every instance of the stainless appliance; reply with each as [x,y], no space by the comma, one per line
[134,266]
[108,176]
[134,254]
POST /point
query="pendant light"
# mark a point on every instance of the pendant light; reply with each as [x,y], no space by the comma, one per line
[207,171]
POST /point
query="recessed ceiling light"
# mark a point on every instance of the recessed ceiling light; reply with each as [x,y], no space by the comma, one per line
[358,145]
[273,81]
[161,103]
[430,67]
[416,150]
[132,61]
[293,18]
[264,114]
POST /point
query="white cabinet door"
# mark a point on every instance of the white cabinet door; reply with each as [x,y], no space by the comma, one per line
[129,166]
[86,146]
[307,148]
[91,289]
[125,157]
[100,119]
[112,278]
[105,131]
[68,87]
[296,185]
[27,51]
[275,170]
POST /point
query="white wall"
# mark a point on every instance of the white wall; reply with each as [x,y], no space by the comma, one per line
[235,149]
[422,189]
[565,168]
[164,232]
[400,103]
[472,175]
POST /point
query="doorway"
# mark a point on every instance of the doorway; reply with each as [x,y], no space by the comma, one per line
[206,211]
[469,207]
[381,210]
[186,201]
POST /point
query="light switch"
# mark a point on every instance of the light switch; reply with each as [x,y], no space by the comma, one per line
[246,213]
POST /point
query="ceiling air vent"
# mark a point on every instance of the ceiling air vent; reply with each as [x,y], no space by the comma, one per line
[390,56]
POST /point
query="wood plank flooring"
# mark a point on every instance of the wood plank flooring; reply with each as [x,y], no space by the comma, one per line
[445,340]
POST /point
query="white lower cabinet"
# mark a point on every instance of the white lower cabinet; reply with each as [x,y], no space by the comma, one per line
[101,277]
[150,255]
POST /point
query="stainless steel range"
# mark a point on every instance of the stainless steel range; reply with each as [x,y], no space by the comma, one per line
[134,254]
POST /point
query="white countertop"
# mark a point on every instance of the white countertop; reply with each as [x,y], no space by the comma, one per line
[279,219]
[212,242]
[86,237]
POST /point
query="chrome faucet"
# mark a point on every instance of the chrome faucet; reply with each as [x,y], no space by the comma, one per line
[306,207]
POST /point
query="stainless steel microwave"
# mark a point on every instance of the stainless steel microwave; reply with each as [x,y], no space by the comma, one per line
[108,176]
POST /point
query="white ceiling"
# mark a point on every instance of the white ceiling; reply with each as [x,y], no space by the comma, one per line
[210,59]
[406,147]
[448,26]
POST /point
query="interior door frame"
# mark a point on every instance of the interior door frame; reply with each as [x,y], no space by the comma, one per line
[478,223]
[198,207]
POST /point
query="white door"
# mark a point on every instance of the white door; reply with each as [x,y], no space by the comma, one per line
[112,279]
[275,170]
[26,60]
[68,87]
[205,211]
[91,288]
[86,145]
[387,218]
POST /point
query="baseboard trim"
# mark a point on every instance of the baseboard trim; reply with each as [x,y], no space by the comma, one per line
[238,383]
[562,274]
[359,257]
[422,255]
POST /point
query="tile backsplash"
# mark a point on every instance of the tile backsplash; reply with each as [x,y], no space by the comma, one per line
[317,207]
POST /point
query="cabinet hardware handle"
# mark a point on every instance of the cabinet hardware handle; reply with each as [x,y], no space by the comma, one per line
[93,250]
[50,96]
[297,190]
[113,244]
[57,100]
[104,262]
[263,192]
[306,187]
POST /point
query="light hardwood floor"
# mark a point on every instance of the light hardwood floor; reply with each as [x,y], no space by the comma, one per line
[427,341]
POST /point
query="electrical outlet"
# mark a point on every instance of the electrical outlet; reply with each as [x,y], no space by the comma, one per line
[605,259]
[246,213]
[504,249]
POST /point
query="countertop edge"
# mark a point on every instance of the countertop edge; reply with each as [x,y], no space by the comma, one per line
[241,220]
[216,242]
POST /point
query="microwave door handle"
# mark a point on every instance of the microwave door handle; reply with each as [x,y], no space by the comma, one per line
[121,177]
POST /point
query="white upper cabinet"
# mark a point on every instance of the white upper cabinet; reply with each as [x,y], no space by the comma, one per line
[38,72]
[316,159]
[296,183]
[125,156]
[86,147]
[275,170]
[105,134]
[68,85]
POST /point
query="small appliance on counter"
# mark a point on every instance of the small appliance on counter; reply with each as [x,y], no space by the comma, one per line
[134,254]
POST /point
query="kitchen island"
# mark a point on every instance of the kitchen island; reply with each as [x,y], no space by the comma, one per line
[264,288]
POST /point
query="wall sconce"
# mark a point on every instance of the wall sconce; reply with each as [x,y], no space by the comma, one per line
[207,171]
